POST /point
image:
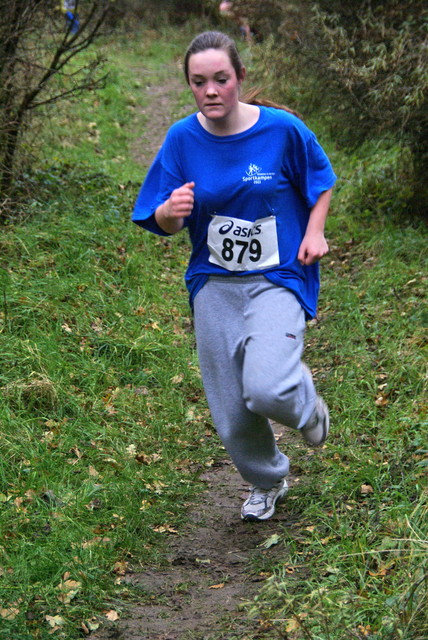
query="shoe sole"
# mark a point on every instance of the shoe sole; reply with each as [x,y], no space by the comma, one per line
[252,518]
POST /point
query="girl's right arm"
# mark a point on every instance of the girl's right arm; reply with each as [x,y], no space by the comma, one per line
[170,214]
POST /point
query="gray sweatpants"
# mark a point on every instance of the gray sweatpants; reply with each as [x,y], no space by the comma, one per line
[249,335]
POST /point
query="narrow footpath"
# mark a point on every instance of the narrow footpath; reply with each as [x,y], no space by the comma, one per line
[215,564]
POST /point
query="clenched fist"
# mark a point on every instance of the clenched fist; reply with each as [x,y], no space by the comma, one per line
[170,215]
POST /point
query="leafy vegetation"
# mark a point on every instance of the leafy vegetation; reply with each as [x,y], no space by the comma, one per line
[360,66]
[40,46]
[104,426]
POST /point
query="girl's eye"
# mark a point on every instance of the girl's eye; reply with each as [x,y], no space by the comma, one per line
[222,80]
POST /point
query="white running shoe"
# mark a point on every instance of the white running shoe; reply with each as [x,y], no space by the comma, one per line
[260,505]
[315,431]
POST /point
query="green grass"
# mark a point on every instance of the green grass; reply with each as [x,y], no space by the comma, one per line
[104,426]
[101,412]
[356,548]
[102,416]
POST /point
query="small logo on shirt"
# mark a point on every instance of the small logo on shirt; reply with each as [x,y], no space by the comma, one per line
[253,170]
[256,175]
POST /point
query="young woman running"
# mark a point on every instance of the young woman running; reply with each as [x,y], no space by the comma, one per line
[252,186]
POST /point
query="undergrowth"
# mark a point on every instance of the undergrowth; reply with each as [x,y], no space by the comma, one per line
[104,426]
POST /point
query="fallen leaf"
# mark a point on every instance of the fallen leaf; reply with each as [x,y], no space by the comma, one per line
[93,505]
[292,625]
[144,458]
[96,540]
[55,621]
[157,486]
[69,590]
[381,400]
[165,529]
[92,624]
[112,615]
[9,613]
[217,586]
[111,411]
[18,503]
[93,472]
[131,450]
[366,489]
[66,328]
[331,571]
[120,567]
[365,630]
[271,541]
[383,570]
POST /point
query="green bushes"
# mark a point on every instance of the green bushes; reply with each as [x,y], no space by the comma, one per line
[156,12]
[377,62]
[361,68]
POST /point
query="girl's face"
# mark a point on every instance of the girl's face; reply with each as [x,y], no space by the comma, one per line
[214,84]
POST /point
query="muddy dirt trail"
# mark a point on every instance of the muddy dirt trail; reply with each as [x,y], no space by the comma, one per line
[216,563]
[214,566]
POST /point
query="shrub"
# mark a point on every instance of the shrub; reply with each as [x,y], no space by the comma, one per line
[376,60]
[37,66]
[360,65]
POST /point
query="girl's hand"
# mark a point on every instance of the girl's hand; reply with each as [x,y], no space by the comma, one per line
[314,246]
[180,202]
[170,215]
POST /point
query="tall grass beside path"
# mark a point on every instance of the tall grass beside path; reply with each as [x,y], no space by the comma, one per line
[104,427]
[103,423]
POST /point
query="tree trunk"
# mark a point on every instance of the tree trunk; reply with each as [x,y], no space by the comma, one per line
[9,156]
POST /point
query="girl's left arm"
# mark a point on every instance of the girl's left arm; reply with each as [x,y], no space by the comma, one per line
[314,245]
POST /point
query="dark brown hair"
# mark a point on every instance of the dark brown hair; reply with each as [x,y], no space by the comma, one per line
[219,40]
[214,40]
[253,96]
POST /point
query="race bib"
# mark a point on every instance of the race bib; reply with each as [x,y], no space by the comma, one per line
[241,245]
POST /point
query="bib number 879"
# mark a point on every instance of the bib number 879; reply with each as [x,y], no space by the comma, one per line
[230,247]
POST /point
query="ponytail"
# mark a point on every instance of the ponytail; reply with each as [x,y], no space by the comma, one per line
[251,96]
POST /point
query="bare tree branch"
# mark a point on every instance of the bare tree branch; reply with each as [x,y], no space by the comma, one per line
[35,48]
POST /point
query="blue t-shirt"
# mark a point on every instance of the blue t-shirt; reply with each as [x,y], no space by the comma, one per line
[275,168]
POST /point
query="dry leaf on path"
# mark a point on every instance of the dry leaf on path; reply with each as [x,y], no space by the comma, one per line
[271,541]
[165,529]
[112,615]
